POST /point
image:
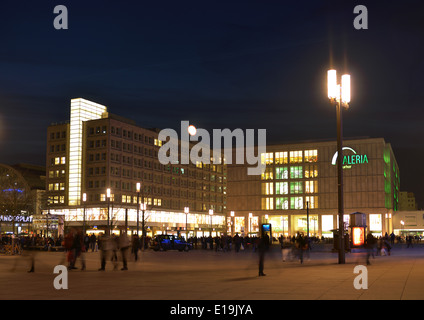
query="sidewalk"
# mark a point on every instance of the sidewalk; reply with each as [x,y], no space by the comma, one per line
[205,275]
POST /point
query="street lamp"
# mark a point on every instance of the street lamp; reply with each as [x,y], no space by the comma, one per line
[143,206]
[211,214]
[340,96]
[108,209]
[186,211]
[84,199]
[138,185]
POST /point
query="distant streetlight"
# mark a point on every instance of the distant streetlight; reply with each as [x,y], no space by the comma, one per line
[339,95]
[192,130]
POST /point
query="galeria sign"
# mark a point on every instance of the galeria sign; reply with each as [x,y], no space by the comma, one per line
[349,160]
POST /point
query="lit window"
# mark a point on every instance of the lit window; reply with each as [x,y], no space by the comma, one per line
[311,155]
[281,173]
[268,188]
[296,172]
[62,160]
[267,203]
[311,171]
[281,158]
[296,203]
[296,187]
[296,157]
[267,158]
[268,174]
[281,188]
[282,203]
[312,202]
[311,186]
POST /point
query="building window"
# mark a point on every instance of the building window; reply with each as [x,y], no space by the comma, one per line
[312,202]
[268,174]
[311,186]
[267,203]
[296,157]
[311,155]
[296,172]
[267,158]
[282,203]
[311,171]
[268,188]
[281,188]
[296,187]
[281,173]
[281,158]
[296,203]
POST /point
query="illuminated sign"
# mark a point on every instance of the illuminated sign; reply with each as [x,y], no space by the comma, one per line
[10,218]
[358,236]
[349,160]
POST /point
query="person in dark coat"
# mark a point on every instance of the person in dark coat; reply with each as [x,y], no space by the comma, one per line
[263,246]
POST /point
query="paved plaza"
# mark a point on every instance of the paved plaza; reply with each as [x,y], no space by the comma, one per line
[210,275]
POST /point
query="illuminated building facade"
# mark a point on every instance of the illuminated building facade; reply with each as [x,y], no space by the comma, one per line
[98,150]
[300,180]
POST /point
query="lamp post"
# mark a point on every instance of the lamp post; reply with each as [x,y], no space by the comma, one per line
[143,206]
[186,211]
[340,96]
[211,214]
[84,199]
[108,209]
[138,185]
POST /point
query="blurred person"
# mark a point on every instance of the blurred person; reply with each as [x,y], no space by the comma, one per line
[135,246]
[370,243]
[105,245]
[263,246]
[124,244]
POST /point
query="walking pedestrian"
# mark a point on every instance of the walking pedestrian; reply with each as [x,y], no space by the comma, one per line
[263,246]
[124,245]
[370,243]
[105,246]
[135,246]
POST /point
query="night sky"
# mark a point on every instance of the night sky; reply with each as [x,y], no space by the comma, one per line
[219,64]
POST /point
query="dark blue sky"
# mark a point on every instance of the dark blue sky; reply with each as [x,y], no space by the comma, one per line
[219,64]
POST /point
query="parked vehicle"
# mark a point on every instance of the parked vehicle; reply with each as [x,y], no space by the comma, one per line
[165,242]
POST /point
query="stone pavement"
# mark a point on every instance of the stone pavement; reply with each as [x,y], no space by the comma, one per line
[210,275]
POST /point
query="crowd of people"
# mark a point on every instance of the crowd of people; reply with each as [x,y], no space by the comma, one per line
[115,248]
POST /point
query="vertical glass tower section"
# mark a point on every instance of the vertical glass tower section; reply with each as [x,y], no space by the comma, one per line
[81,110]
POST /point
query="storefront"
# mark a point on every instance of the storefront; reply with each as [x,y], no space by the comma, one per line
[21,224]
